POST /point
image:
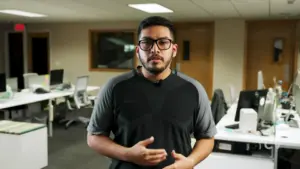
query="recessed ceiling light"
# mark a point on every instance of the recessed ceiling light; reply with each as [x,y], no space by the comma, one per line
[151,8]
[21,13]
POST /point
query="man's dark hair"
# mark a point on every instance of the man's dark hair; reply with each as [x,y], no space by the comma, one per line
[156,21]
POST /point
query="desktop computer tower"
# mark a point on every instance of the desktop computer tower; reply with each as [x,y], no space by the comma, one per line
[231,147]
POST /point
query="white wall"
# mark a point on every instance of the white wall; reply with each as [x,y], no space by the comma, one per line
[229,55]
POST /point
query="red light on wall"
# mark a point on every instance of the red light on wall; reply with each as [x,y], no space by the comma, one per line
[19,27]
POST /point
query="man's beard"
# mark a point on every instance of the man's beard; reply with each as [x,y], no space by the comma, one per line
[153,69]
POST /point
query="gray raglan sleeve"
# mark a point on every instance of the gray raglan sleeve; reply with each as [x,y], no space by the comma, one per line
[102,117]
[204,126]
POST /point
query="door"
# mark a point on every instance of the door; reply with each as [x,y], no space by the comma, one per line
[38,53]
[195,52]
[16,57]
[270,48]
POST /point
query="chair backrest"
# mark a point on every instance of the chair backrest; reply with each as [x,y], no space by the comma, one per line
[40,80]
[81,84]
[26,76]
[13,83]
[233,95]
[80,94]
[218,105]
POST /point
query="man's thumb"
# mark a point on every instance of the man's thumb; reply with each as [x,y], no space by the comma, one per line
[177,156]
[147,141]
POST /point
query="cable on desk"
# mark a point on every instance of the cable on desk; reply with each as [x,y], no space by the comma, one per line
[267,147]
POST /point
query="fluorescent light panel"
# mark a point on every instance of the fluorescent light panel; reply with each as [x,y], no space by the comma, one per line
[21,13]
[151,8]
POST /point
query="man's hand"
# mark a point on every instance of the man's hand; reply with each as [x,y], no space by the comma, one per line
[140,155]
[181,162]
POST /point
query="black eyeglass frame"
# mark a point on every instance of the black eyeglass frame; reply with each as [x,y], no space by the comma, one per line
[155,41]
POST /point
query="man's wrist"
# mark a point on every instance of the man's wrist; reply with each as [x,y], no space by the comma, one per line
[125,154]
[192,160]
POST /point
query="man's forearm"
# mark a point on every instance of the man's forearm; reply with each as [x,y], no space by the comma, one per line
[107,147]
[201,150]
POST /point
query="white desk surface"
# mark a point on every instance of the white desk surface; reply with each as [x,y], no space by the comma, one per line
[283,136]
[23,98]
[237,136]
[286,135]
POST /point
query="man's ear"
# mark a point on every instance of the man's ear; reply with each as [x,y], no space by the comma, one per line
[137,51]
[174,48]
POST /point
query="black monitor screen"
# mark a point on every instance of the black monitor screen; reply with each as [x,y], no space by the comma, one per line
[56,77]
[249,99]
[2,82]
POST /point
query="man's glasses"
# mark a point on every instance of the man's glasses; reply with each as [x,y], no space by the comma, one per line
[162,44]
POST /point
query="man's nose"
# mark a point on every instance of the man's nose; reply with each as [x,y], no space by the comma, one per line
[155,48]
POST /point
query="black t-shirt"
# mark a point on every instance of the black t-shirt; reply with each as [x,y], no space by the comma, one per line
[134,109]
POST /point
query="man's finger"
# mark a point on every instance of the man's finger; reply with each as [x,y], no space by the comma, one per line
[173,166]
[154,162]
[156,151]
[146,142]
[177,156]
[155,157]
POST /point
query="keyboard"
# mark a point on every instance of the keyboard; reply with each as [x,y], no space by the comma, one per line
[233,126]
[236,126]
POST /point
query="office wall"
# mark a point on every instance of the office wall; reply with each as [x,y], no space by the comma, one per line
[229,55]
[69,50]
[3,28]
[69,47]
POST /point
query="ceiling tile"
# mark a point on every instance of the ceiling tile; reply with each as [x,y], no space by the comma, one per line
[218,8]
[252,8]
[282,8]
[181,8]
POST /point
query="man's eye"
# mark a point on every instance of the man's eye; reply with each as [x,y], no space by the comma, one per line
[146,42]
[163,41]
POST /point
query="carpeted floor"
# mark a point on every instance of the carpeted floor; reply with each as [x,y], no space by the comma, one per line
[68,150]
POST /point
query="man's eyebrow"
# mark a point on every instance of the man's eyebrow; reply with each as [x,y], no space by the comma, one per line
[148,37]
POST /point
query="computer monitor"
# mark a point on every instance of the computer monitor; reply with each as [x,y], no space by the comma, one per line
[2,82]
[56,77]
[249,99]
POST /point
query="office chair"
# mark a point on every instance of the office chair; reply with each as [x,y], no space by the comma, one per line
[77,101]
[219,106]
[26,79]
[13,83]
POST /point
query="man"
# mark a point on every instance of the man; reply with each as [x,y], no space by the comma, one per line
[152,111]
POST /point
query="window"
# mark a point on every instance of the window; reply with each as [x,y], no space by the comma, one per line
[112,50]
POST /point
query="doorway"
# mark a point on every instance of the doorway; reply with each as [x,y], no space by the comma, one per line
[16,57]
[38,53]
[195,52]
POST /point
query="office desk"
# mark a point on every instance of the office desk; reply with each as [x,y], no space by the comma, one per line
[230,135]
[23,98]
[218,160]
[284,137]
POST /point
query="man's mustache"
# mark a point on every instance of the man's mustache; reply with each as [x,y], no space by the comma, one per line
[156,57]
